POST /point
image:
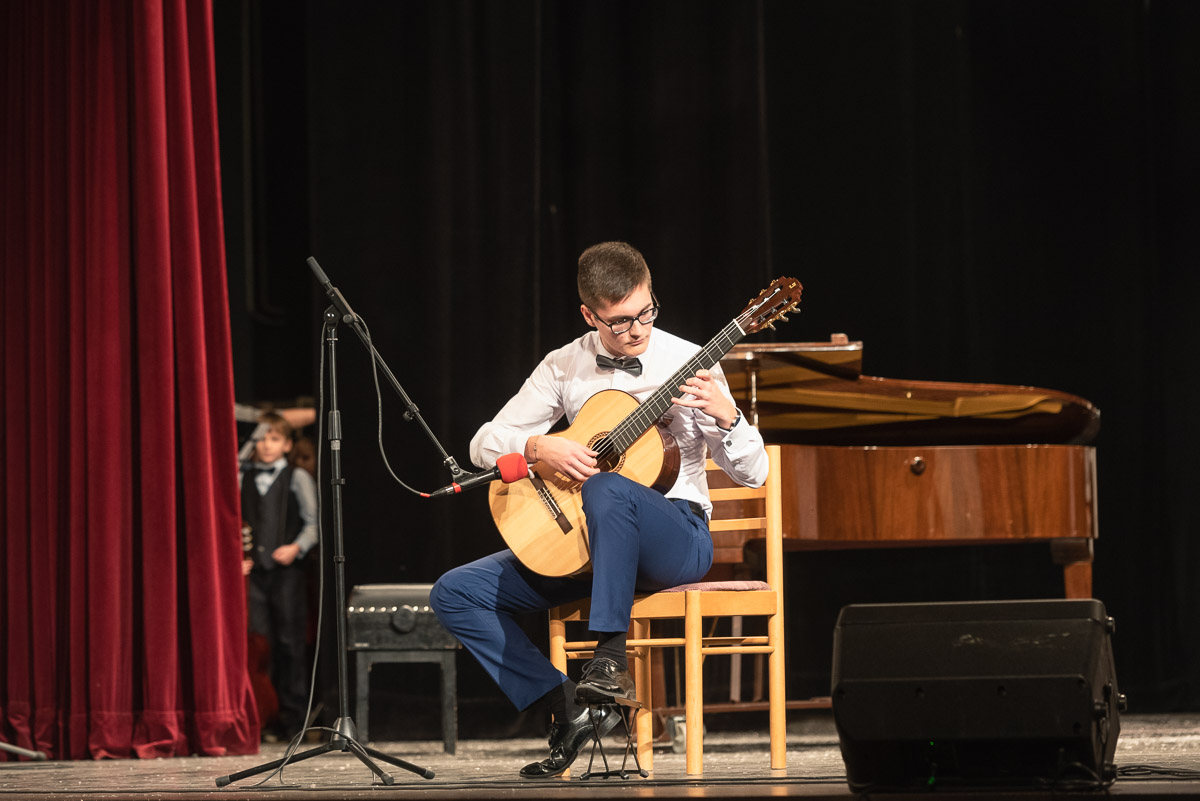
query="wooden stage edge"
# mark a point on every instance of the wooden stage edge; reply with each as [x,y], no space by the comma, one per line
[1157,755]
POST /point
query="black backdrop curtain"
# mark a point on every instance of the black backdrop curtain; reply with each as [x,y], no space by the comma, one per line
[987,192]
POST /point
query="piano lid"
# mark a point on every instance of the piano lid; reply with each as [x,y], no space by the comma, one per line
[815,393]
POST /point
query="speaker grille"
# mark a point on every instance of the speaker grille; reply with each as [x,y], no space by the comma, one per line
[986,693]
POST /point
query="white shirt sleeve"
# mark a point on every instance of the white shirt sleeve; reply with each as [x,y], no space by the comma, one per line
[306,498]
[739,451]
[536,407]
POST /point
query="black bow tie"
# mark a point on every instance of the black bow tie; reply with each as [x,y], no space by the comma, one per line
[631,366]
[255,469]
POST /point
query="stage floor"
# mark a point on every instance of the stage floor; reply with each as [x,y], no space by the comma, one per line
[736,766]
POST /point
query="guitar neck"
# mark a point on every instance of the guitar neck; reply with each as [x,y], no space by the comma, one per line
[633,426]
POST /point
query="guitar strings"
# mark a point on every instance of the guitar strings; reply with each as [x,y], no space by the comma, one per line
[637,422]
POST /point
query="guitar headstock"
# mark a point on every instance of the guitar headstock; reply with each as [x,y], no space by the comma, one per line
[772,303]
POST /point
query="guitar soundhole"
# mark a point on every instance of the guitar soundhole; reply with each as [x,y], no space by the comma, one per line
[610,461]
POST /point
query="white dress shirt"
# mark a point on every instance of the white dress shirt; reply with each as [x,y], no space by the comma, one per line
[567,377]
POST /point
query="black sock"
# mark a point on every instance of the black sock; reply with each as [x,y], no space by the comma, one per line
[561,701]
[611,645]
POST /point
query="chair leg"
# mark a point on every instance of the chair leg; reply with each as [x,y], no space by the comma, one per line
[693,627]
[449,702]
[735,662]
[644,684]
[778,695]
[558,640]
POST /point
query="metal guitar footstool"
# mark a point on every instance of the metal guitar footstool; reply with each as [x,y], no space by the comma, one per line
[393,623]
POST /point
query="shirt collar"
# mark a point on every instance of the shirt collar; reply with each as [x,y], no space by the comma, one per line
[276,465]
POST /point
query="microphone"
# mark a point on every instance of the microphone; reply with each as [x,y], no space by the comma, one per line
[333,292]
[509,468]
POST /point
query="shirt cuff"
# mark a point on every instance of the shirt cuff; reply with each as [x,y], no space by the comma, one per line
[739,436]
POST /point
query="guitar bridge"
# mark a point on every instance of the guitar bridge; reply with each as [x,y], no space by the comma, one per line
[548,501]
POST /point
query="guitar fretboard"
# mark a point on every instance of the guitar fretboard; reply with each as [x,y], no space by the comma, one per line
[625,433]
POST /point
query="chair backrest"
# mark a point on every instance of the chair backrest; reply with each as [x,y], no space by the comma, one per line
[742,514]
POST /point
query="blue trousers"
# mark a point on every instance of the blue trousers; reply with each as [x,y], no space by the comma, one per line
[640,542]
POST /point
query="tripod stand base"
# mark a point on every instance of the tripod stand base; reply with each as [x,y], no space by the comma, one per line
[343,739]
[630,750]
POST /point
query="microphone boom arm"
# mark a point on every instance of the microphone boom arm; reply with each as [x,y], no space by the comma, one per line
[411,412]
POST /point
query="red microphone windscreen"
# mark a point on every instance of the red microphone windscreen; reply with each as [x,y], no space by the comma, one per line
[512,467]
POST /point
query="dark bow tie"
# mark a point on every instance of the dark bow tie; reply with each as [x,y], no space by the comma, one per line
[256,469]
[631,366]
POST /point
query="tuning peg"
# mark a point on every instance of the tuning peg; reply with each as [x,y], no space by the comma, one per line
[783,317]
[771,326]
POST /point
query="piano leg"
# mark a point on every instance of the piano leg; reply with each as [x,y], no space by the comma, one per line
[1075,555]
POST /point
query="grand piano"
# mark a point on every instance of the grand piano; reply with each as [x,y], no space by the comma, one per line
[879,462]
[883,463]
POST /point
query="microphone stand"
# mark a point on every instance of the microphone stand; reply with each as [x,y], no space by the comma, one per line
[37,756]
[345,735]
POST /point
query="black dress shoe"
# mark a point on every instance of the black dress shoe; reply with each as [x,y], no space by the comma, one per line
[567,739]
[605,682]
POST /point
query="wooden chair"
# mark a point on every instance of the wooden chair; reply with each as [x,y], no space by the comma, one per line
[692,603]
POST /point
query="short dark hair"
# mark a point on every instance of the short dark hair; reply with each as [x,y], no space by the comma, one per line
[609,271]
[278,424]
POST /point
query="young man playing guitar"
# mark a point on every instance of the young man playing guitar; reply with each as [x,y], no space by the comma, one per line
[638,539]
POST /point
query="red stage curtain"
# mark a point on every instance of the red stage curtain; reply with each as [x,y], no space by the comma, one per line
[122,607]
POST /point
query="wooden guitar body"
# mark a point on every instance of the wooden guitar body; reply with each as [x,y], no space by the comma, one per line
[551,539]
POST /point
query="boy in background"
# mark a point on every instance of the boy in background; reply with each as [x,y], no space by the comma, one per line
[280,508]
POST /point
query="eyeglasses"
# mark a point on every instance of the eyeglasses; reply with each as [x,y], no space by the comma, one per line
[626,323]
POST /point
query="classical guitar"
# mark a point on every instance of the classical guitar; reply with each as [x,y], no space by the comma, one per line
[541,517]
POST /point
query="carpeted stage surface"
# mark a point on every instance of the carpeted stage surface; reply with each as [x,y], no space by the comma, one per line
[1157,755]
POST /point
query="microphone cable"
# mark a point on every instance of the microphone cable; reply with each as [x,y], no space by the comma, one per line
[379,408]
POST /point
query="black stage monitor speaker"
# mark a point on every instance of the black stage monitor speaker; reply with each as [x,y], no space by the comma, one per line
[1002,693]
